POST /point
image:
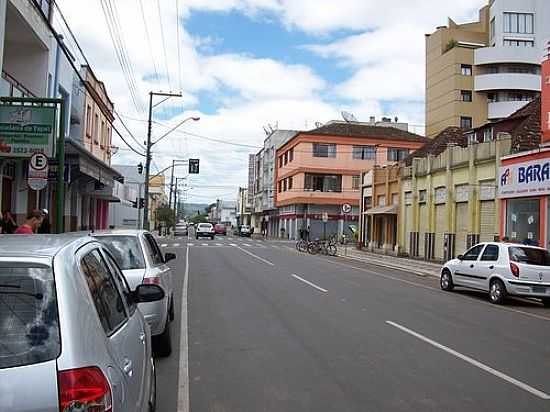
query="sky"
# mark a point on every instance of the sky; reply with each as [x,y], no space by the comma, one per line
[242,65]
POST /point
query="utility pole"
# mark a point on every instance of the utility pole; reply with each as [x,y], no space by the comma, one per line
[171,185]
[148,146]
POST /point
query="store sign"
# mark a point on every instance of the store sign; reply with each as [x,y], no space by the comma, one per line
[26,130]
[524,179]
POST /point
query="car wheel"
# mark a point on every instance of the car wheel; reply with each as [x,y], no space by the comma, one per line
[153,396]
[163,343]
[497,292]
[546,302]
[446,281]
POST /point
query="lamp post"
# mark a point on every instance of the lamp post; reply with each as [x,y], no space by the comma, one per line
[150,144]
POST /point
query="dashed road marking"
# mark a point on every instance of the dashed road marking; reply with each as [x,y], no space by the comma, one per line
[309,283]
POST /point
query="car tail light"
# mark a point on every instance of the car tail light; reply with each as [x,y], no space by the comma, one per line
[155,280]
[515,269]
[84,389]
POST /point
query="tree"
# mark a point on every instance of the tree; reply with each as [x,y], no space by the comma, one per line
[199,219]
[166,216]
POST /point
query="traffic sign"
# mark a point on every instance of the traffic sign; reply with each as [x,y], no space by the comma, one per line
[37,183]
[37,177]
[346,208]
[38,162]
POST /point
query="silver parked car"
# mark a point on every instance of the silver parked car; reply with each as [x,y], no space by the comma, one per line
[139,256]
[71,336]
[181,229]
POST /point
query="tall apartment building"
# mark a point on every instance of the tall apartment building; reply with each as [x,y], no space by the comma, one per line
[485,70]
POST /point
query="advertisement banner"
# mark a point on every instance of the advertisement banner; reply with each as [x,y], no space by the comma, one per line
[524,179]
[26,130]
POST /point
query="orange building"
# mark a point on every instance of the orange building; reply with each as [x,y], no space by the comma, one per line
[319,171]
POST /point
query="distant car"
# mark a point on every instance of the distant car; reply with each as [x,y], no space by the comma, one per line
[245,231]
[205,230]
[181,229]
[501,269]
[138,255]
[220,229]
[72,336]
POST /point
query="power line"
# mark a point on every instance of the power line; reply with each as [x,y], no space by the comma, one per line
[178,41]
[129,132]
[164,45]
[148,39]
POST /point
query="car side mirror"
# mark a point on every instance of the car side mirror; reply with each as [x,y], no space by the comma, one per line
[169,256]
[148,293]
[460,257]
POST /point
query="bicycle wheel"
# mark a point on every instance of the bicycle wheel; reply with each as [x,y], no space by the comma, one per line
[332,251]
[302,246]
[312,249]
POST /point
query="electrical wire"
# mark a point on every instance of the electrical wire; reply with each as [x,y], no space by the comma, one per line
[164,45]
[178,42]
[129,132]
[150,44]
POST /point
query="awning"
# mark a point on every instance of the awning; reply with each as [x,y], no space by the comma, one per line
[383,210]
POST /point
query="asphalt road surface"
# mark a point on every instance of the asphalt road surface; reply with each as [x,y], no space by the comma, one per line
[270,329]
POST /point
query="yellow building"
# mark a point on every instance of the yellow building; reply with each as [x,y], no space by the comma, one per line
[157,197]
[448,201]
[450,96]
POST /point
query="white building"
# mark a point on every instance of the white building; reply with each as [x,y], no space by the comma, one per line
[508,70]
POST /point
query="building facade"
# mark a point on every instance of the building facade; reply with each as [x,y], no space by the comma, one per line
[486,70]
[243,207]
[319,171]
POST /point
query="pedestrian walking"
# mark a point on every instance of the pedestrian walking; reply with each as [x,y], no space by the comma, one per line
[8,223]
[45,226]
[32,223]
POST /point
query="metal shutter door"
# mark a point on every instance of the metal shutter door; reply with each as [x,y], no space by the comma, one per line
[487,220]
[440,229]
[424,224]
[408,227]
[461,224]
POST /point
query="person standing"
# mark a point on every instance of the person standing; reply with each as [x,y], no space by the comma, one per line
[32,223]
[8,223]
[45,226]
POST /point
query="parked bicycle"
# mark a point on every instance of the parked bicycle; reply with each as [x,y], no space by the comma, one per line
[323,247]
[302,245]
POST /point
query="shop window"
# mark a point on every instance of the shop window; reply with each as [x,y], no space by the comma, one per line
[355,182]
[522,220]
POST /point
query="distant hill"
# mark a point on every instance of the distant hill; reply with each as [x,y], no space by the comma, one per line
[192,208]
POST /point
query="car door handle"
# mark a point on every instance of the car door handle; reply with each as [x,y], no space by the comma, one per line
[472,266]
[142,336]
[491,267]
[127,368]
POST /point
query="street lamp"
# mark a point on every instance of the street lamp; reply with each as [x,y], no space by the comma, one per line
[150,144]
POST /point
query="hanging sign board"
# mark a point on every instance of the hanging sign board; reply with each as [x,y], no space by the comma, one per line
[25,130]
[346,208]
[37,178]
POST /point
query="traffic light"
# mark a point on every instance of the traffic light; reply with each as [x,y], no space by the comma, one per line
[141,202]
[140,168]
[193,166]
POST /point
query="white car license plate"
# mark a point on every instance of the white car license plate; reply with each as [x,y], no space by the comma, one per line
[538,289]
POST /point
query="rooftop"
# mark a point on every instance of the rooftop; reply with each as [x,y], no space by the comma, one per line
[437,145]
[39,245]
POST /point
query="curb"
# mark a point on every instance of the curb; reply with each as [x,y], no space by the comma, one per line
[419,272]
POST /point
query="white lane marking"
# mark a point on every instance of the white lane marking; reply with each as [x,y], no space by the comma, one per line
[219,244]
[176,245]
[247,244]
[204,244]
[164,245]
[309,283]
[183,378]
[491,305]
[232,244]
[473,362]
[267,262]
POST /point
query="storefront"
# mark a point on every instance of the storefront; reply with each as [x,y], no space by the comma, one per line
[524,187]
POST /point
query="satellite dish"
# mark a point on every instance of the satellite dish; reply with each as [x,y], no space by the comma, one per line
[348,117]
[318,124]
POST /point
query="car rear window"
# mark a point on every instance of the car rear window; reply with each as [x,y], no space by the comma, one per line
[29,323]
[205,226]
[126,251]
[529,256]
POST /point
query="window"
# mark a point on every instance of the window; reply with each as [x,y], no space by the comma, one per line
[96,129]
[466,69]
[488,134]
[285,157]
[153,250]
[473,253]
[121,280]
[492,28]
[280,187]
[465,122]
[284,185]
[523,220]
[519,43]
[29,323]
[323,183]
[364,152]
[422,196]
[290,183]
[396,155]
[107,299]
[529,256]
[395,199]
[355,182]
[381,201]
[102,141]
[490,253]
[291,155]
[281,161]
[324,150]
[126,251]
[466,95]
[367,202]
[89,121]
[522,23]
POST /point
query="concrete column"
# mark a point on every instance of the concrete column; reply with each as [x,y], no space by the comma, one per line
[3,9]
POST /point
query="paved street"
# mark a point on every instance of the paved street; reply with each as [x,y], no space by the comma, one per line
[273,330]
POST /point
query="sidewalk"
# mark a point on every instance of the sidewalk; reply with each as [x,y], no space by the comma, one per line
[418,267]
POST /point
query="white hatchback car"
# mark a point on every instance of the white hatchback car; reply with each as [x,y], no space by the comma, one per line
[501,269]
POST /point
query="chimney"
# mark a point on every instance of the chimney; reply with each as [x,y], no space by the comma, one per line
[545,95]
